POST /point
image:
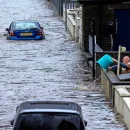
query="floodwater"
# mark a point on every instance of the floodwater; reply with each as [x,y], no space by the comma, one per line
[50,69]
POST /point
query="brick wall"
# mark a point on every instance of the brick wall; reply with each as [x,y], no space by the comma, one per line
[89,12]
[104,15]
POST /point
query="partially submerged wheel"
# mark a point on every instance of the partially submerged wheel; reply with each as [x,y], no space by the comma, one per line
[8,37]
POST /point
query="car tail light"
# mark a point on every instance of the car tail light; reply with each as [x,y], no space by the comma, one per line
[40,33]
[12,34]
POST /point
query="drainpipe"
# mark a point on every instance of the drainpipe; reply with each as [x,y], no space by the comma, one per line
[100,25]
[59,7]
[93,48]
[66,15]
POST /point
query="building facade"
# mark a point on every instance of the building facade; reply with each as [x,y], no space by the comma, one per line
[112,23]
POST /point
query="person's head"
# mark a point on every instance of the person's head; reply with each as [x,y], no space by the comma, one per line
[126,59]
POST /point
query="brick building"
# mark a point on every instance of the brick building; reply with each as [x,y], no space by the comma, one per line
[111,17]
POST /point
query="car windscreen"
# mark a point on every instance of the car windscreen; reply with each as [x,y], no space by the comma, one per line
[50,121]
[25,25]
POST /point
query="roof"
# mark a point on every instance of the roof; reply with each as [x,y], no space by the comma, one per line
[105,1]
[25,21]
[49,106]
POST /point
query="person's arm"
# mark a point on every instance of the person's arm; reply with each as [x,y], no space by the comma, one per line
[128,65]
[121,64]
[114,67]
[114,60]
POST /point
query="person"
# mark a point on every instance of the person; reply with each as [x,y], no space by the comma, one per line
[125,65]
[67,125]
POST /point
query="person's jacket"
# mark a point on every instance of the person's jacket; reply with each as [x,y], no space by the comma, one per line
[125,68]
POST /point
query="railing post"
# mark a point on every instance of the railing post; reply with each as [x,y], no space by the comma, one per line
[66,15]
[59,7]
[93,48]
[62,2]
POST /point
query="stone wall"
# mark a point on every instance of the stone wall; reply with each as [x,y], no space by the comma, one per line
[104,16]
[118,92]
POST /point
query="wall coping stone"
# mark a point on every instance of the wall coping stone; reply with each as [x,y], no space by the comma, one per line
[127,101]
[114,79]
[123,91]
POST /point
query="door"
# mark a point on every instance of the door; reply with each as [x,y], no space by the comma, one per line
[122,29]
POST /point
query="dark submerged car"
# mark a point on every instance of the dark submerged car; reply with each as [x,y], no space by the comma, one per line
[48,115]
[25,30]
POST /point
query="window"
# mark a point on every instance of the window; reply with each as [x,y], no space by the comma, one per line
[25,25]
[49,121]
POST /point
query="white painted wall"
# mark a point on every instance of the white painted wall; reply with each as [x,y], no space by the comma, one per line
[121,98]
[120,93]
[126,111]
[73,25]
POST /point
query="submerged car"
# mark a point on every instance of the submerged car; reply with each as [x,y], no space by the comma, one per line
[48,115]
[25,30]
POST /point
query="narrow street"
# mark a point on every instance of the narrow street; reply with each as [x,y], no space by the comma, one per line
[50,69]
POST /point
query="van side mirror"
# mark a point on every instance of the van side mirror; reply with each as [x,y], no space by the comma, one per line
[12,122]
[85,122]
[6,29]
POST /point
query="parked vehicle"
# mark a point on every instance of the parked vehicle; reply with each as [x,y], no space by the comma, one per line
[25,30]
[48,115]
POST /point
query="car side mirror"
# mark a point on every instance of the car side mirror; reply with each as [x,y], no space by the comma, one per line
[12,122]
[6,29]
[42,28]
[85,122]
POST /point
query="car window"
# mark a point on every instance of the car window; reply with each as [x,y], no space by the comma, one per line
[53,121]
[25,25]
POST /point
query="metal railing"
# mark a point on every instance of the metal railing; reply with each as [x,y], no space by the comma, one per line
[71,4]
[97,48]
[111,39]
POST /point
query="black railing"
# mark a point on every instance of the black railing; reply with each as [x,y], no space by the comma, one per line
[97,47]
[93,47]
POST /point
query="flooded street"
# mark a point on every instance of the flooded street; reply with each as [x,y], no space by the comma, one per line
[50,69]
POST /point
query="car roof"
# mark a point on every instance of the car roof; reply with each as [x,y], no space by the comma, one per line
[25,21]
[50,106]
